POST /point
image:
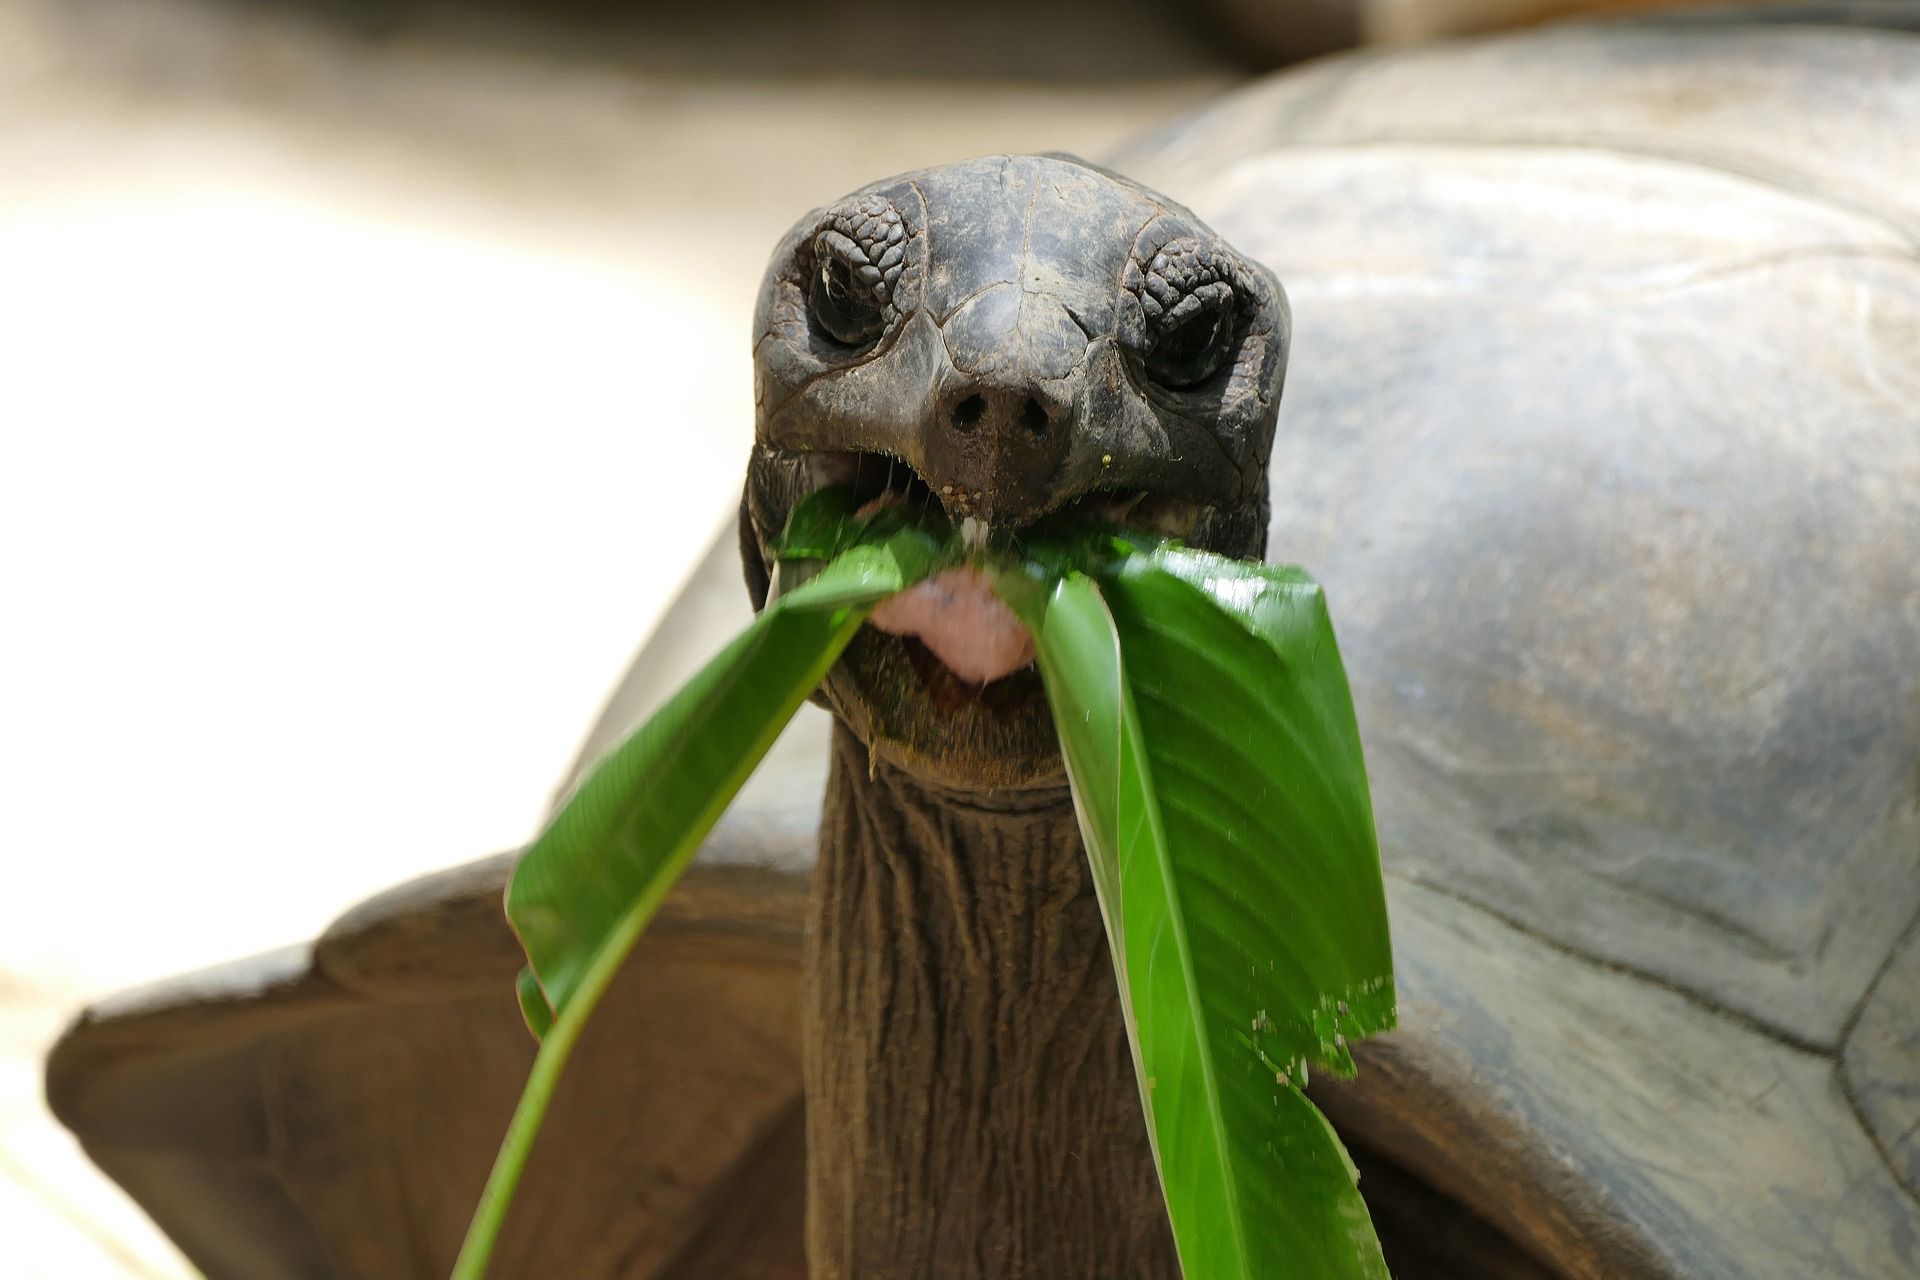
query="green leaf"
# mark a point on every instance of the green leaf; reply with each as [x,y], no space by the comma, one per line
[1208,732]
[821,526]
[1287,783]
[533,1004]
[827,523]
[583,892]
[598,872]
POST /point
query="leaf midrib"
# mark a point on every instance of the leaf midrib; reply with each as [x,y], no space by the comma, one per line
[1183,948]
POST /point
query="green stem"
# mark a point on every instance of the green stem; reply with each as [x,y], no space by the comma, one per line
[570,1019]
[555,1048]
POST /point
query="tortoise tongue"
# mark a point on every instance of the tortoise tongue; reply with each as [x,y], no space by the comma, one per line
[965,625]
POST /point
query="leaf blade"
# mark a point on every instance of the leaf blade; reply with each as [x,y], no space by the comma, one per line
[642,811]
[1155,680]
[579,911]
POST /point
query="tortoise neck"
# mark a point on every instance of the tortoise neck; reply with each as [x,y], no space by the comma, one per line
[971,1106]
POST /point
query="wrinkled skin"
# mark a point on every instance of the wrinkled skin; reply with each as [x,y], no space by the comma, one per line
[1010,337]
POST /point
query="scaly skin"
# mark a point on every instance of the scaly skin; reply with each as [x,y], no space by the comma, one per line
[972,1109]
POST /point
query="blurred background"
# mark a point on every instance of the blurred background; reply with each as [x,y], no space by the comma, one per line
[372,374]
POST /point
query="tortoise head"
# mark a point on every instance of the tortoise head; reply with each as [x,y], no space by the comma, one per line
[1009,337]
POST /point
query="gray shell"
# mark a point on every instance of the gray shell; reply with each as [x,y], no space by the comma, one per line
[1603,432]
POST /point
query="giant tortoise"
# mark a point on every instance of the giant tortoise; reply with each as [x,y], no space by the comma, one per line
[1603,432]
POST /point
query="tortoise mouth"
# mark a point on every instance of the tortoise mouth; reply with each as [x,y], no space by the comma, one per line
[958,638]
[942,685]
[876,478]
[937,691]
[946,690]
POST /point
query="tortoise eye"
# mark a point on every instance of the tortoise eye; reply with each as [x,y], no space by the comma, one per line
[844,298]
[1191,341]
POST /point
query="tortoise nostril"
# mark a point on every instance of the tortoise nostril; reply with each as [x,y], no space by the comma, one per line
[967,414]
[1034,418]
